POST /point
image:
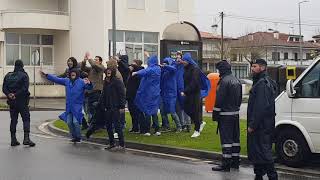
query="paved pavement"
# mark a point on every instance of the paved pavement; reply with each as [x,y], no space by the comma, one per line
[56,158]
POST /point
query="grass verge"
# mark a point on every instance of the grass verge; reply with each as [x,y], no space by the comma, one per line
[208,140]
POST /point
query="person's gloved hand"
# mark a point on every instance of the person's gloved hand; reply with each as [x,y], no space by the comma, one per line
[215,115]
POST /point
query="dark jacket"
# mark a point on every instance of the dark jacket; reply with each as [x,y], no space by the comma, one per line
[123,67]
[113,95]
[133,83]
[17,82]
[229,94]
[261,117]
[192,88]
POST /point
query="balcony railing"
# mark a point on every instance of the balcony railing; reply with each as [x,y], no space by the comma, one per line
[34,11]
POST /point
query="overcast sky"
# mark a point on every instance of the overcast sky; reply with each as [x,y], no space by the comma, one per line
[286,11]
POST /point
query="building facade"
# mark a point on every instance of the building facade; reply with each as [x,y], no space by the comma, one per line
[44,33]
[275,47]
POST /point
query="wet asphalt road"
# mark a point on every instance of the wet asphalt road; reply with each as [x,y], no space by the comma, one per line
[57,159]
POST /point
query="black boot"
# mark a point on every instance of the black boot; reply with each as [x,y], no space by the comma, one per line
[224,167]
[90,131]
[258,177]
[235,163]
[27,141]
[14,141]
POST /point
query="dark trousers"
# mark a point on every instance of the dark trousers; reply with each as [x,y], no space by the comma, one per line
[112,118]
[93,98]
[23,110]
[262,169]
[229,131]
[147,123]
[136,115]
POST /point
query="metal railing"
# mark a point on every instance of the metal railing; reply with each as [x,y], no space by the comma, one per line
[39,11]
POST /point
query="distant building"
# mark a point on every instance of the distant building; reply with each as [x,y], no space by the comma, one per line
[275,47]
[212,54]
[45,33]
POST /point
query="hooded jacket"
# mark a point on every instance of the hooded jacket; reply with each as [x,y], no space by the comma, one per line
[113,96]
[169,86]
[113,64]
[205,82]
[148,95]
[74,95]
[17,82]
[75,66]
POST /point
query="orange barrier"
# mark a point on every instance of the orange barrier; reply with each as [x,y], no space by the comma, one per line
[211,98]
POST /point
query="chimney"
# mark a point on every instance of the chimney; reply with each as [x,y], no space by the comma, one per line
[276,34]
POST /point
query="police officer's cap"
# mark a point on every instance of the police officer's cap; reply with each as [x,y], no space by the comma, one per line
[259,61]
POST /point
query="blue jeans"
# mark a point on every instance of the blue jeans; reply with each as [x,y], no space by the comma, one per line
[184,118]
[74,126]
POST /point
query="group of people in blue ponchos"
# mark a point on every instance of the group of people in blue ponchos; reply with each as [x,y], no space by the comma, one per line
[173,86]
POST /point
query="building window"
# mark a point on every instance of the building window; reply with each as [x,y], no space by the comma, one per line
[136,4]
[286,56]
[309,56]
[296,56]
[171,5]
[134,43]
[240,72]
[30,48]
[275,56]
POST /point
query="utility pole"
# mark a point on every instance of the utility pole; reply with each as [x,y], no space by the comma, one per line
[114,41]
[300,36]
[222,36]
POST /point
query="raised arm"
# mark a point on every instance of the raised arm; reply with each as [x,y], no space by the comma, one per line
[55,79]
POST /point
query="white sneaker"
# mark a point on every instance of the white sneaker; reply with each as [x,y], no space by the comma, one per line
[115,135]
[202,125]
[157,133]
[147,134]
[195,134]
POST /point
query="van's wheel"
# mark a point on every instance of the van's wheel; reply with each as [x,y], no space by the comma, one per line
[292,148]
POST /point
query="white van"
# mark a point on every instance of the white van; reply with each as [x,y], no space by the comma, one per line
[298,117]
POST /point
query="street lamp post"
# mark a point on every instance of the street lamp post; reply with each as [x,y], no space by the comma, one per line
[114,51]
[300,35]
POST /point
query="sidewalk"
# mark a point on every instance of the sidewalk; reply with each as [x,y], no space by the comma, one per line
[44,103]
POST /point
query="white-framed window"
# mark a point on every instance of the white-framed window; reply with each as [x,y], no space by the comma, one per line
[30,48]
[171,5]
[136,4]
[135,43]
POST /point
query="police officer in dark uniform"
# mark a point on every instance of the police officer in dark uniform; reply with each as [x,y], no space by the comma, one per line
[261,121]
[226,113]
[16,88]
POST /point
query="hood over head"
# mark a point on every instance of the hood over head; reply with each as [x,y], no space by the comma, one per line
[188,58]
[152,60]
[112,63]
[18,65]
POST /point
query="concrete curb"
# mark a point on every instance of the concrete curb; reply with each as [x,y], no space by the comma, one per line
[37,109]
[191,153]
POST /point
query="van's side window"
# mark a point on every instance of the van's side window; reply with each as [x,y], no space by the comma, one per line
[309,86]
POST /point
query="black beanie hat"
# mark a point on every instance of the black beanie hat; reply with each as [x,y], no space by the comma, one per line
[260,62]
[18,63]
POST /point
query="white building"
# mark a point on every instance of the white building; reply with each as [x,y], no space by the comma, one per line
[50,31]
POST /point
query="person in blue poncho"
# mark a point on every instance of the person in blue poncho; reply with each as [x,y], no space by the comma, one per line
[148,95]
[75,88]
[196,86]
[169,93]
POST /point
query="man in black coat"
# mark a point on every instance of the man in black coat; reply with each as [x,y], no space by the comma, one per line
[16,88]
[123,67]
[132,88]
[261,121]
[226,113]
[192,89]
